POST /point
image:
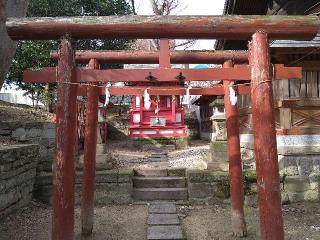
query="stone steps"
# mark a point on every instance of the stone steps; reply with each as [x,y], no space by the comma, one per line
[159,182]
[149,194]
[163,222]
[158,157]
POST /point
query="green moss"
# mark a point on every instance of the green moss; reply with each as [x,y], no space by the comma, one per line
[179,142]
[223,189]
[219,146]
[249,179]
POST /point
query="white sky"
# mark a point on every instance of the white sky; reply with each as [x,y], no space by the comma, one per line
[189,7]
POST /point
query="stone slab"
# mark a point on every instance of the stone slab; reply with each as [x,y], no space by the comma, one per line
[165,207]
[163,219]
[164,233]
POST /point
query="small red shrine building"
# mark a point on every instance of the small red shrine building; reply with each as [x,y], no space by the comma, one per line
[164,118]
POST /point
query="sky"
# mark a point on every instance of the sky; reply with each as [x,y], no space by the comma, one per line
[189,7]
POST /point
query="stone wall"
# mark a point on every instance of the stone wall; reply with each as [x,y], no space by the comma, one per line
[17,176]
[211,186]
[41,133]
[112,187]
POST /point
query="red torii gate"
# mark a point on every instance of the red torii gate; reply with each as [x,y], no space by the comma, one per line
[227,27]
[236,188]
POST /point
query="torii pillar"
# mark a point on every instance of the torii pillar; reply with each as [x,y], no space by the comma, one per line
[64,160]
[265,145]
[234,154]
[89,160]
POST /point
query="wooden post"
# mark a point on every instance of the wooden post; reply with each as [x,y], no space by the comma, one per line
[164,55]
[235,168]
[265,146]
[89,162]
[63,167]
[173,109]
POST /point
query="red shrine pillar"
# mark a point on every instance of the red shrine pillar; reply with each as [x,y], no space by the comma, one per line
[173,109]
[89,163]
[64,160]
[265,146]
[234,154]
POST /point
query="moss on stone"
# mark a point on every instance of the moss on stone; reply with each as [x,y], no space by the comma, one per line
[222,189]
[219,146]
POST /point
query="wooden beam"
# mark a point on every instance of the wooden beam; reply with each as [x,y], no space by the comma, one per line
[299,131]
[242,72]
[152,57]
[216,90]
[299,103]
[234,27]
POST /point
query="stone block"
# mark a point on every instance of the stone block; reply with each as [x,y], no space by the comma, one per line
[285,197]
[110,176]
[314,179]
[296,184]
[206,176]
[163,207]
[201,190]
[222,189]
[125,175]
[163,219]
[48,142]
[173,232]
[312,195]
[44,179]
[43,194]
[177,172]
[5,132]
[288,165]
[33,133]
[219,146]
[48,133]
[305,165]
[101,148]
[113,193]
[19,135]
[296,197]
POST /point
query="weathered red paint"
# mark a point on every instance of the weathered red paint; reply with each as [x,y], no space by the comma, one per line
[235,167]
[89,161]
[161,75]
[63,168]
[156,27]
[164,56]
[152,57]
[265,146]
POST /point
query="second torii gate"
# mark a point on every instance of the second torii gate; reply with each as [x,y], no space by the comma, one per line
[228,27]
[234,155]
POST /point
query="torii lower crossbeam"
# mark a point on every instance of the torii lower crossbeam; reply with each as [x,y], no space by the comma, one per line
[241,72]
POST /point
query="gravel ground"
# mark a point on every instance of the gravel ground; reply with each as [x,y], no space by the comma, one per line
[301,220]
[126,222]
[127,156]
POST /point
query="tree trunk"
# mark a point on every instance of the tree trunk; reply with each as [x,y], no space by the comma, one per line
[8,8]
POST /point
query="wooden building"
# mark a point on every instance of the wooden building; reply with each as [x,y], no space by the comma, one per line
[297,102]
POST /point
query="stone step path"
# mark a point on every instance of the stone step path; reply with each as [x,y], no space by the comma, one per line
[163,222]
[157,184]
[158,157]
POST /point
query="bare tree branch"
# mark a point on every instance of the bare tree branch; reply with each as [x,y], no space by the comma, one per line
[133,7]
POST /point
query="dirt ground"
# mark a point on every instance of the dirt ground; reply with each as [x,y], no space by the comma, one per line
[301,221]
[128,222]
[111,223]
[24,113]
